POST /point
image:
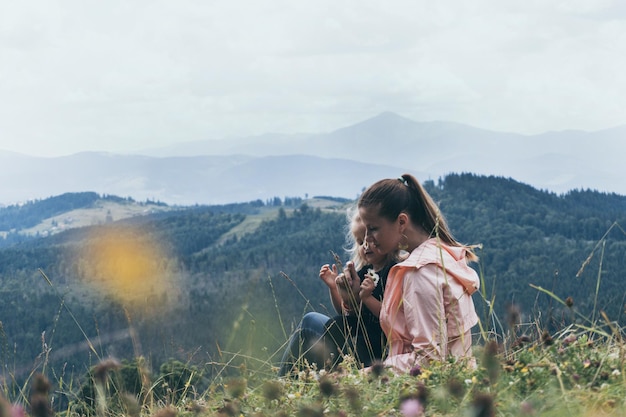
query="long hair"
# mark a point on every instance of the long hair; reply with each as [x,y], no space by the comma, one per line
[406,195]
[352,247]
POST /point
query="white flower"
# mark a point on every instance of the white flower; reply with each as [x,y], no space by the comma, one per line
[373,275]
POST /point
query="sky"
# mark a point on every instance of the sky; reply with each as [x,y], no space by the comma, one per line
[120,76]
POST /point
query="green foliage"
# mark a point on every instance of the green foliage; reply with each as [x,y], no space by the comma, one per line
[178,380]
[577,372]
[238,294]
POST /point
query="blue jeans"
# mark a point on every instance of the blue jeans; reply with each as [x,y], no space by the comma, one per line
[310,342]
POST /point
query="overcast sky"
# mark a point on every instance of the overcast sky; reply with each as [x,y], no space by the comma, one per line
[116,75]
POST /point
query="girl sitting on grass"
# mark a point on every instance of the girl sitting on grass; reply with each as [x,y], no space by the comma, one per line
[320,340]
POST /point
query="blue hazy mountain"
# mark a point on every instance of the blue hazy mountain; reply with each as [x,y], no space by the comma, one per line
[338,163]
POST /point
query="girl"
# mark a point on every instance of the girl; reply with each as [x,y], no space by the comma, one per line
[322,340]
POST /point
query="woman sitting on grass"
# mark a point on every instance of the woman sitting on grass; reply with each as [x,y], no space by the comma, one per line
[427,313]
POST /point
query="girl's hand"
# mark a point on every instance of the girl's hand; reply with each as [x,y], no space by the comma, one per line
[348,285]
[367,287]
[328,274]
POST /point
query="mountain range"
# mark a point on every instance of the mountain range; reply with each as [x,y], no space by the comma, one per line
[339,163]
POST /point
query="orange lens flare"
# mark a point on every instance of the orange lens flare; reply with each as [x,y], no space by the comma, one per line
[128,265]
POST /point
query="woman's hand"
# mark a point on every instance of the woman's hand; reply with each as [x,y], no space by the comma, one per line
[328,274]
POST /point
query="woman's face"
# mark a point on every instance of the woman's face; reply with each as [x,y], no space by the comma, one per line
[381,235]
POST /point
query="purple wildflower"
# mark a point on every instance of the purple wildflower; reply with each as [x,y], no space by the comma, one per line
[416,370]
[411,407]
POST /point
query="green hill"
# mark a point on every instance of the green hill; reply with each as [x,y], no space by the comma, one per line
[193,283]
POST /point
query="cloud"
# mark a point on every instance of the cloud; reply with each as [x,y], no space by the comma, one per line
[125,75]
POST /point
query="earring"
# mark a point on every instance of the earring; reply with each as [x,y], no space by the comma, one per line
[403,246]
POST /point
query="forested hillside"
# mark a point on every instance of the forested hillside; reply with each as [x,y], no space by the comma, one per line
[196,283]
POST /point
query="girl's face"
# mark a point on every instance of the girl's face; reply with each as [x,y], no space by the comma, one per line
[381,235]
[367,251]
[358,231]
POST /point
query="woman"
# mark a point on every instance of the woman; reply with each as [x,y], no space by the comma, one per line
[427,312]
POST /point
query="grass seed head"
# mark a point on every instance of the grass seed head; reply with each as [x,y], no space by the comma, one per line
[455,388]
[166,412]
[272,390]
[236,387]
[311,410]
[377,368]
[101,370]
[327,386]
[490,360]
[483,405]
[546,338]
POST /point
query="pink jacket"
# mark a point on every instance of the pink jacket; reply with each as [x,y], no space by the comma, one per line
[428,312]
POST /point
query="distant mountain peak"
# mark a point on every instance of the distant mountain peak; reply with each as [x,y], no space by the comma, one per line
[387,119]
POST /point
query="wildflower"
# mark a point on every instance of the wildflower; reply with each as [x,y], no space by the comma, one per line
[616,372]
[546,338]
[197,407]
[41,385]
[5,406]
[17,411]
[513,316]
[521,341]
[422,393]
[166,412]
[101,370]
[455,388]
[131,405]
[39,404]
[327,386]
[415,370]
[236,387]
[483,405]
[571,338]
[272,390]
[490,361]
[425,374]
[311,411]
[229,409]
[373,276]
[354,399]
[411,407]
[377,368]
[526,408]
